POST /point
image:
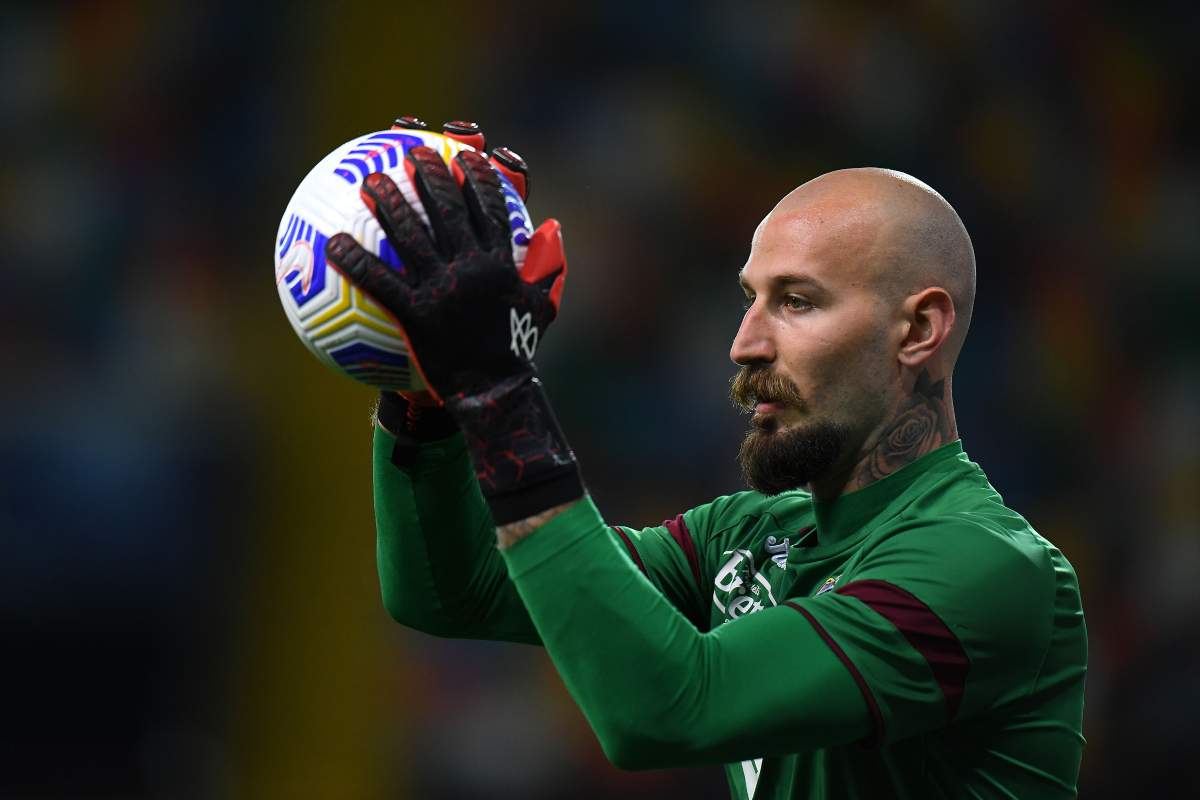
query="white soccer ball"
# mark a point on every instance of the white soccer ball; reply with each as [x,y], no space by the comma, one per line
[335,320]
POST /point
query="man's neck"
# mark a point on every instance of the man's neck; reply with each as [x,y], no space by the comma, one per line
[920,424]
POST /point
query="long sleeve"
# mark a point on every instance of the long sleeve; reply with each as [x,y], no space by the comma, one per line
[657,691]
[439,571]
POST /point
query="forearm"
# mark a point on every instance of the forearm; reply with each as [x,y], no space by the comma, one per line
[438,567]
[656,691]
[510,534]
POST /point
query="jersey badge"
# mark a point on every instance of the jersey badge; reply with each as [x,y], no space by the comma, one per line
[829,583]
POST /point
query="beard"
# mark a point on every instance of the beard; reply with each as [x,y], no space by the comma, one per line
[772,459]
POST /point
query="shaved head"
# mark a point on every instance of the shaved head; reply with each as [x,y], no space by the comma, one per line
[907,235]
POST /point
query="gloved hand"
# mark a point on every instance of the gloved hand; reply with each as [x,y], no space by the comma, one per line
[473,322]
[418,416]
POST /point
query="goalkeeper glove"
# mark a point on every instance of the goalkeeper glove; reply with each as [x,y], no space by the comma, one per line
[473,322]
[415,417]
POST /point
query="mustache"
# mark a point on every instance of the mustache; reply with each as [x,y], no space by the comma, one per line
[753,385]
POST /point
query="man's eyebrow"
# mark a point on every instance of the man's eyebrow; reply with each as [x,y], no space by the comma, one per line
[784,281]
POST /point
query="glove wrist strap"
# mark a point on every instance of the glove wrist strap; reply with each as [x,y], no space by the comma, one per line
[422,424]
[522,460]
[412,426]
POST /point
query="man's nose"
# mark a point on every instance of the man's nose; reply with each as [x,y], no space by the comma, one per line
[753,343]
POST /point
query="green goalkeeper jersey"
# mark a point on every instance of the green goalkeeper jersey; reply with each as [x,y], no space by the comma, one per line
[915,638]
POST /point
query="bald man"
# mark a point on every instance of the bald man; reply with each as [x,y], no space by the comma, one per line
[869,620]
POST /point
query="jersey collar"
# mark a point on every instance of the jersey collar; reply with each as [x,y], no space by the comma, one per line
[841,519]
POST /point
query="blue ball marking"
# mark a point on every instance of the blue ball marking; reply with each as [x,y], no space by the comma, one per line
[317,280]
[518,214]
[291,226]
[376,147]
[388,255]
[360,356]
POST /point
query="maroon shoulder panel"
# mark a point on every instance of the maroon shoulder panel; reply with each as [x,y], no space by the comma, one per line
[924,630]
[679,532]
[637,559]
[872,706]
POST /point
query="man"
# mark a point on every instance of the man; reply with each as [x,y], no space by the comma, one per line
[869,621]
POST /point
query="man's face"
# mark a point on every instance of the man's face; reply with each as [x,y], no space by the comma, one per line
[818,368]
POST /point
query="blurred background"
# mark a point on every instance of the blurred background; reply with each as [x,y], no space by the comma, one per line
[188,597]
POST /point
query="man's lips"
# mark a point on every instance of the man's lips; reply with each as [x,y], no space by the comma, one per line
[772,407]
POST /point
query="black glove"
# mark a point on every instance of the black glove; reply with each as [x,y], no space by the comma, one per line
[472,321]
[417,417]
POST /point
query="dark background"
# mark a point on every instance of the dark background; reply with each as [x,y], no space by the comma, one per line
[187,586]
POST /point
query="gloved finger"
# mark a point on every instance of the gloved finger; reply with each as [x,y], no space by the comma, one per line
[442,198]
[468,133]
[485,199]
[546,262]
[512,166]
[382,283]
[401,225]
[409,123]
[368,273]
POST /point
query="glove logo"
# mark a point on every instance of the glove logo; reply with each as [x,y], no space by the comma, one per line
[524,333]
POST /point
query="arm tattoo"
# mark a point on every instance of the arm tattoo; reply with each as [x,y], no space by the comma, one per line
[922,426]
[510,534]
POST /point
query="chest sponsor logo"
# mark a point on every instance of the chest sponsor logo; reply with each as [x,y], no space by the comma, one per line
[739,588]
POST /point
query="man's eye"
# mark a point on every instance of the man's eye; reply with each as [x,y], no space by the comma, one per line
[796,302]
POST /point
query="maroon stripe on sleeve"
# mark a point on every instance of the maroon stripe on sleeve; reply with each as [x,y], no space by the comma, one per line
[872,706]
[924,630]
[679,532]
[637,559]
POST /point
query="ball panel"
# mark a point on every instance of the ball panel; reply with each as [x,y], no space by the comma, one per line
[315,314]
[351,315]
[371,310]
[374,365]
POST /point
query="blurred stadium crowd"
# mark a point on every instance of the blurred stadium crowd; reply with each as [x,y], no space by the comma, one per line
[187,584]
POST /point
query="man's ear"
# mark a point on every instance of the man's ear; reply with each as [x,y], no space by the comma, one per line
[930,318]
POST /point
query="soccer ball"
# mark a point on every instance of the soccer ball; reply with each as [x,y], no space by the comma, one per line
[343,327]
